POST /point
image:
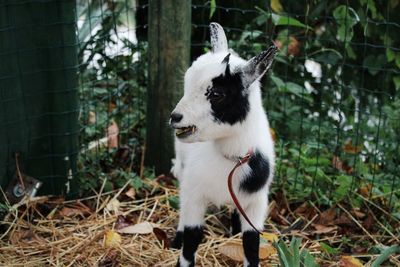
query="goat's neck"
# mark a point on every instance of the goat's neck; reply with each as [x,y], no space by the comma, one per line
[249,135]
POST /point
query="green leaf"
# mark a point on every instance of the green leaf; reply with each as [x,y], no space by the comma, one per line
[390,55]
[213,7]
[344,182]
[374,64]
[328,249]
[398,60]
[279,20]
[396,80]
[385,255]
[346,18]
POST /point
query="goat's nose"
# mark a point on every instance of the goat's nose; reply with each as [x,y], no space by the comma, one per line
[176,117]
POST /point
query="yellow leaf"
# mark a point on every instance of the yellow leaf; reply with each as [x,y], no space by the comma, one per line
[276,6]
[235,251]
[112,239]
[270,237]
[349,261]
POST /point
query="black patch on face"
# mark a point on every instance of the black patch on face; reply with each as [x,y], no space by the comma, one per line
[260,171]
[178,240]
[251,244]
[192,237]
[235,222]
[229,102]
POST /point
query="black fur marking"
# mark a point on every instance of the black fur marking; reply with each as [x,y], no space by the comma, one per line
[259,174]
[178,240]
[235,223]
[234,105]
[192,237]
[251,244]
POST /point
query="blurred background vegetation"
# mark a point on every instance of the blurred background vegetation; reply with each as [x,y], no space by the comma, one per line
[332,96]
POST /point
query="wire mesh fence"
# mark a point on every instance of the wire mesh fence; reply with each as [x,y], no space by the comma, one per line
[331,97]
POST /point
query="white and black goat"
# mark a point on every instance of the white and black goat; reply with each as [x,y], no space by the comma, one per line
[220,118]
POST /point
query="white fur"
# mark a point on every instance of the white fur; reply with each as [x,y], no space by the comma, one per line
[202,162]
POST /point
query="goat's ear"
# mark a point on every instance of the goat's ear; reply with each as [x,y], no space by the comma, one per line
[218,38]
[225,63]
[256,67]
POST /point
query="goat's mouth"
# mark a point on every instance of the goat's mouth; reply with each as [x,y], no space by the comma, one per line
[185,131]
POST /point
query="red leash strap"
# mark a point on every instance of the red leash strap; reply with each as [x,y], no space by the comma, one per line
[242,161]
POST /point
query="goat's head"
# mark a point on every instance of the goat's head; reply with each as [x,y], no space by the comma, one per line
[216,91]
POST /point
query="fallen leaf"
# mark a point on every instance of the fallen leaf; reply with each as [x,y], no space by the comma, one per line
[266,251]
[110,259]
[26,237]
[112,239]
[76,209]
[131,193]
[327,217]
[349,148]
[112,135]
[358,214]
[322,229]
[349,261]
[235,251]
[162,237]
[369,222]
[140,228]
[113,206]
[122,222]
[270,237]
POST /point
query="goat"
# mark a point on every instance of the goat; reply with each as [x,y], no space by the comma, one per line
[219,118]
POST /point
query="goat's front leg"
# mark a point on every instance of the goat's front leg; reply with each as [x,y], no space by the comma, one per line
[190,229]
[256,211]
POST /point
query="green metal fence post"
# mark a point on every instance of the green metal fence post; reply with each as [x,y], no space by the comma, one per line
[38,91]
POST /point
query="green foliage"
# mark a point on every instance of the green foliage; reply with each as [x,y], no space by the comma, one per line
[293,256]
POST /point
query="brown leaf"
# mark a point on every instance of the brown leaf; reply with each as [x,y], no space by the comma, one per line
[349,148]
[344,220]
[349,261]
[327,217]
[122,222]
[305,210]
[357,213]
[112,135]
[369,222]
[110,259]
[365,190]
[162,237]
[26,237]
[234,251]
[322,229]
[339,165]
[131,193]
[75,209]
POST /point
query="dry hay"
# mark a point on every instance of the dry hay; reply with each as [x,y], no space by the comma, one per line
[74,233]
[48,231]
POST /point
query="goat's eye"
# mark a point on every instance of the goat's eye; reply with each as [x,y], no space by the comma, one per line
[213,95]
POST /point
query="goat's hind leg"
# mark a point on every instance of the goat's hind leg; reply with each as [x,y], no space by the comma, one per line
[256,211]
